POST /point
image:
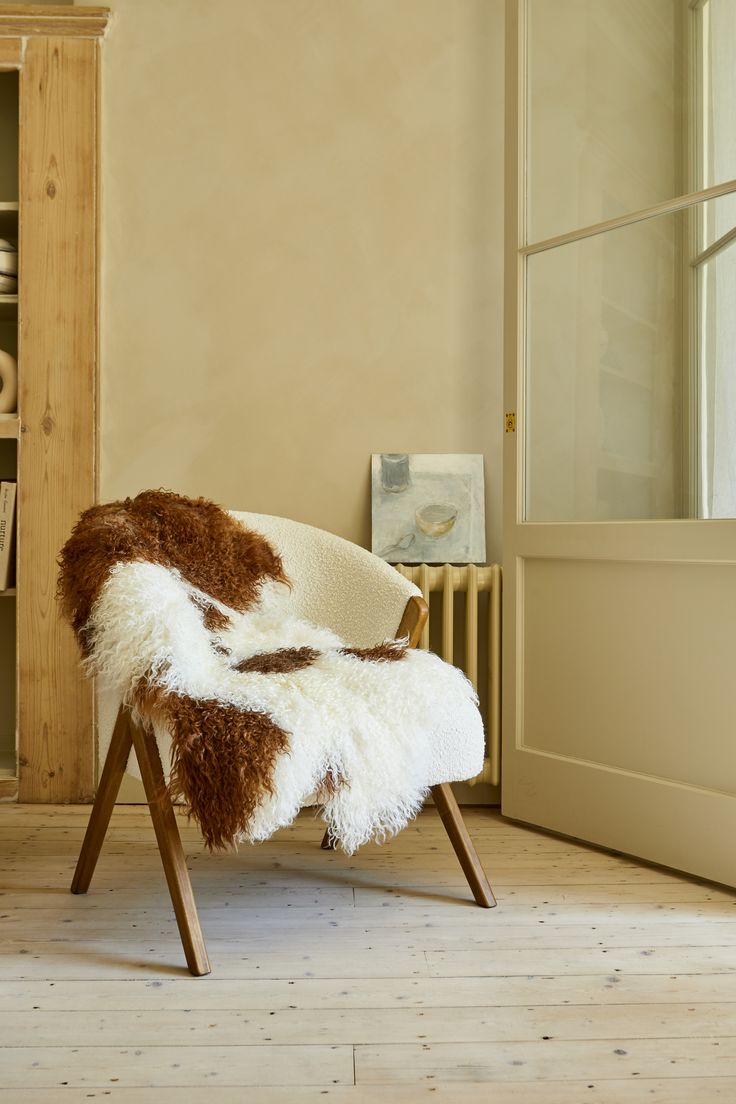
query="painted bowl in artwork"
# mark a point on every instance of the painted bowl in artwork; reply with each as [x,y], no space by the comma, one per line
[436,519]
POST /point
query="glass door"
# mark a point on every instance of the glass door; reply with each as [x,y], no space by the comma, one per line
[619,348]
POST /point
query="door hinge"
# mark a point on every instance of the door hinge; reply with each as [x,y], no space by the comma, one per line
[510,421]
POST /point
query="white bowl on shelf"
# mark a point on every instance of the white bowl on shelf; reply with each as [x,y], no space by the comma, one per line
[9,381]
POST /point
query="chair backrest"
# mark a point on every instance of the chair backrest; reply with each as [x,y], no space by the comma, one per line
[336,584]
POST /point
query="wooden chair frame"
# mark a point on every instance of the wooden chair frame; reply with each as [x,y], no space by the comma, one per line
[127,735]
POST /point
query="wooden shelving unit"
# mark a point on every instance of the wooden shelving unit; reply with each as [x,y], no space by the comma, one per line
[49,124]
[9,430]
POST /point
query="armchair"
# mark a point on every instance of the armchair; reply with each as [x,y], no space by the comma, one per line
[334,584]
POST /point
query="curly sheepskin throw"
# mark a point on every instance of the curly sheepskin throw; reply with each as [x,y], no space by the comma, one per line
[184,613]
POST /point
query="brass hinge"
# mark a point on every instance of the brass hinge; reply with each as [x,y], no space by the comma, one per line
[510,420]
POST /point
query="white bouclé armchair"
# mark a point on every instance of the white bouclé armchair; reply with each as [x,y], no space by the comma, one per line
[341,587]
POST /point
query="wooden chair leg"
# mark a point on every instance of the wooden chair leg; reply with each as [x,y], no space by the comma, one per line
[107,791]
[454,824]
[172,853]
[327,842]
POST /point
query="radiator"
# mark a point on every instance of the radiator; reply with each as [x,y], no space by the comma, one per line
[471,581]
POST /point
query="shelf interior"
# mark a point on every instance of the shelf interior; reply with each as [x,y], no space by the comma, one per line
[8,306]
[9,427]
[9,112]
[7,687]
[9,222]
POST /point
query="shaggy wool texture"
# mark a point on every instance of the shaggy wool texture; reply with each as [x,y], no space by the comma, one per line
[184,614]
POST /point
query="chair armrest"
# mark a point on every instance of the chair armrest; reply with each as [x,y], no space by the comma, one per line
[414,620]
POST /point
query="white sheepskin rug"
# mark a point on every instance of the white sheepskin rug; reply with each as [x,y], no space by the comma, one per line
[184,614]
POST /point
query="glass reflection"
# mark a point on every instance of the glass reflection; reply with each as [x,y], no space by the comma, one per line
[604,377]
[631,338]
[714,91]
[631,372]
[604,134]
[716,289]
[629,103]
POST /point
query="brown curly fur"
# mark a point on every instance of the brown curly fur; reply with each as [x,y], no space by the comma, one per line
[329,786]
[388,652]
[222,758]
[213,619]
[210,549]
[281,662]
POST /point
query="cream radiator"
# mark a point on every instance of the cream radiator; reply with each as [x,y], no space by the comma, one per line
[471,581]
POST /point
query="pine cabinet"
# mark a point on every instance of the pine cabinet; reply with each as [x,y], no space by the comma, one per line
[49,154]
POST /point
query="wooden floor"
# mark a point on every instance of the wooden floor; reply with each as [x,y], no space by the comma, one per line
[372,978]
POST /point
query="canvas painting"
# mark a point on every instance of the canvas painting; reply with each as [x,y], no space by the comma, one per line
[428,507]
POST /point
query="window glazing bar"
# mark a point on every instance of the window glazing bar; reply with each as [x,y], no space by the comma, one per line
[666,207]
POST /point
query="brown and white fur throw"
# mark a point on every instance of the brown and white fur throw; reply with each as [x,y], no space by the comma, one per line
[184,613]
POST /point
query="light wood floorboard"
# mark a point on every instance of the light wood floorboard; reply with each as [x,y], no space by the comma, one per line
[349,980]
[614,1091]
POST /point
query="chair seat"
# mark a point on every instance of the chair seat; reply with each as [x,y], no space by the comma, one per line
[369,735]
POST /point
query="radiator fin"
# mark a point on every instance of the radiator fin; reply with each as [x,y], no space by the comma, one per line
[472,581]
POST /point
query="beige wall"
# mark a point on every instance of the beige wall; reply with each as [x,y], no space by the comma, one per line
[302,247]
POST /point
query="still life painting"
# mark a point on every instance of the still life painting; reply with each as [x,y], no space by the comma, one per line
[428,507]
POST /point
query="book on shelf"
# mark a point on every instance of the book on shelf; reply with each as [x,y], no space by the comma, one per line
[7,535]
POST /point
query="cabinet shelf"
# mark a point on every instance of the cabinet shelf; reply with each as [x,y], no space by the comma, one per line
[9,593]
[8,787]
[10,427]
[8,306]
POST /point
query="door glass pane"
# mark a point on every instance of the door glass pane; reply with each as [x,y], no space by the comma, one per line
[604,376]
[604,125]
[714,91]
[716,35]
[630,398]
[717,372]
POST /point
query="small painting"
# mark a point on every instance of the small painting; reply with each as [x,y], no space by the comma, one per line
[428,507]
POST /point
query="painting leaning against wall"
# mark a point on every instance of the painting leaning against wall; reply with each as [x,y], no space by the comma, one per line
[428,507]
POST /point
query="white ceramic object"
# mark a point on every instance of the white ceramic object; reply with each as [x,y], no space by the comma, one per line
[8,262]
[436,519]
[8,285]
[8,383]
